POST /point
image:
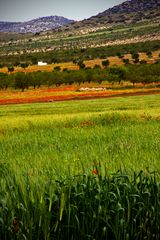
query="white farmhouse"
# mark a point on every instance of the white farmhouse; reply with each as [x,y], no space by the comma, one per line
[40,63]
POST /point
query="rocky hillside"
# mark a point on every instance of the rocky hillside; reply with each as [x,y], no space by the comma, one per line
[131,6]
[34,26]
[131,11]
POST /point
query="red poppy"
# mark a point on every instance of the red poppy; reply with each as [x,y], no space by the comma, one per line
[95,171]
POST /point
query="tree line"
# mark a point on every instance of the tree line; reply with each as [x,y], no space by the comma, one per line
[143,73]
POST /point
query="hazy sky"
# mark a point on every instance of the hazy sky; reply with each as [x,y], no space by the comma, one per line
[23,10]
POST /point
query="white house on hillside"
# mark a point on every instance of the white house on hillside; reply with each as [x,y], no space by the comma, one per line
[40,63]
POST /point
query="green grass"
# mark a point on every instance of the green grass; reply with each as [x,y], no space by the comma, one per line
[120,133]
[49,153]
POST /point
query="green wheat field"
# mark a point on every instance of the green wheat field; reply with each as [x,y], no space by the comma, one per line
[81,169]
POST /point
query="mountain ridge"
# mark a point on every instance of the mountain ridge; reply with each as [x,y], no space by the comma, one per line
[36,25]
